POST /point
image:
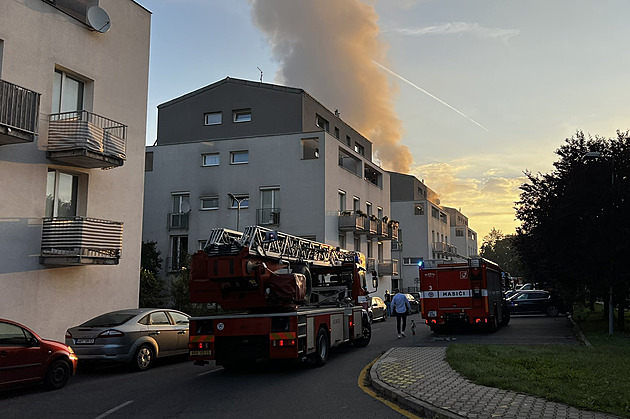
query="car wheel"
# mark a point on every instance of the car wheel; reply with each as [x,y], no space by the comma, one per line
[143,359]
[320,356]
[552,311]
[57,375]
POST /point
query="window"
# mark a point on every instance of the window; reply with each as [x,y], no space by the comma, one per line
[379,212]
[310,148]
[379,253]
[209,202]
[420,191]
[62,193]
[395,246]
[435,213]
[159,318]
[239,157]
[181,202]
[213,118]
[322,123]
[348,141]
[418,209]
[201,244]
[368,208]
[336,133]
[370,251]
[356,203]
[412,261]
[342,201]
[269,212]
[235,199]
[179,253]
[210,159]
[443,218]
[178,318]
[342,241]
[67,93]
[357,244]
[359,149]
[242,115]
[459,232]
[148,161]
[12,335]
[178,219]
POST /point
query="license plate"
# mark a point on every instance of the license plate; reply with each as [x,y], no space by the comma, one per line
[206,352]
[432,313]
[85,341]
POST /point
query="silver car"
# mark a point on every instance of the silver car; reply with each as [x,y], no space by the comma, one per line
[138,336]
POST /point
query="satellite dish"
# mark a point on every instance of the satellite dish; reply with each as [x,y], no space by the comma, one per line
[98,19]
[185,207]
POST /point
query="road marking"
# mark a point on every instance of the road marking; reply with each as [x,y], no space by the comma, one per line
[209,372]
[361,382]
[110,411]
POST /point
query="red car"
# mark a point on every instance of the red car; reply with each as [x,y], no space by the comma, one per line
[27,358]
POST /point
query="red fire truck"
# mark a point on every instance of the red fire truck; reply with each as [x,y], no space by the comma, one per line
[284,297]
[462,293]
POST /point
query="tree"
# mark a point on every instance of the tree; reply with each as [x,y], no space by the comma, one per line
[151,285]
[179,291]
[501,249]
[571,220]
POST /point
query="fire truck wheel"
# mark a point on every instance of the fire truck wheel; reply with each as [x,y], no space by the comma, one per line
[552,311]
[364,340]
[494,324]
[321,348]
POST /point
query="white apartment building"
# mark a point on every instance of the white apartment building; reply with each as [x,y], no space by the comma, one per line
[238,153]
[73,100]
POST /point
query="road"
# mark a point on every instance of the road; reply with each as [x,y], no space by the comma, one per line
[177,388]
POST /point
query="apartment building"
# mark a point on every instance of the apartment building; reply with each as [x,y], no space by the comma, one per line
[73,96]
[238,153]
[462,236]
[426,230]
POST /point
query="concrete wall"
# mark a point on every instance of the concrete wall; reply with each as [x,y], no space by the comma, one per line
[37,39]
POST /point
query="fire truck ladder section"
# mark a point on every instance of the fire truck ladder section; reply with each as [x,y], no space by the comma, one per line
[265,242]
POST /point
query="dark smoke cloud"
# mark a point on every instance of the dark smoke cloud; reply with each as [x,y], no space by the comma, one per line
[328,47]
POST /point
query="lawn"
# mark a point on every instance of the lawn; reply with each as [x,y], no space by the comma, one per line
[589,378]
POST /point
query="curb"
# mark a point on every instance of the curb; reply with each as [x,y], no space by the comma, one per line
[578,332]
[411,403]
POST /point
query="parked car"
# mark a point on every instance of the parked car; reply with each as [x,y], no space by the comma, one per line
[413,303]
[510,293]
[377,309]
[535,301]
[27,358]
[138,336]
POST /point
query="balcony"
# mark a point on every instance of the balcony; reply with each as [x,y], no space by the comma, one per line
[268,216]
[77,241]
[352,221]
[388,267]
[19,114]
[392,230]
[370,226]
[178,220]
[445,248]
[84,139]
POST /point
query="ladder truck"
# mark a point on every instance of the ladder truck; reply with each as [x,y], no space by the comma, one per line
[462,293]
[284,297]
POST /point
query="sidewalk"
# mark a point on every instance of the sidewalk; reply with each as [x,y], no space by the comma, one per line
[420,379]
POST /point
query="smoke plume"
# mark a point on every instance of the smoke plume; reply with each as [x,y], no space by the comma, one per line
[328,48]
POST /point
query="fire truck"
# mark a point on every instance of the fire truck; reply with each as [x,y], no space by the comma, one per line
[467,293]
[283,297]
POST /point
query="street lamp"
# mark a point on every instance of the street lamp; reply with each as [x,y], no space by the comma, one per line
[238,209]
[594,155]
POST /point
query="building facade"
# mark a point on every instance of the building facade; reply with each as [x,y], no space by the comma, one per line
[238,153]
[73,96]
[462,236]
[427,230]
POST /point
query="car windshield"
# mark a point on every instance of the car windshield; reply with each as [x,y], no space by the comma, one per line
[108,320]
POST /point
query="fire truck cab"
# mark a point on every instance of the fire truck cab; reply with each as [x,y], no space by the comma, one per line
[466,293]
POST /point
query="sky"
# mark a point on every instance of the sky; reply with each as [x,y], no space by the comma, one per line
[465,95]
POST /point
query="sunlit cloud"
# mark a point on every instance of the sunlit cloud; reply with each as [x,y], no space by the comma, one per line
[486,198]
[460,28]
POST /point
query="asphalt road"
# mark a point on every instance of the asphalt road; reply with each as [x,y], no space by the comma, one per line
[176,388]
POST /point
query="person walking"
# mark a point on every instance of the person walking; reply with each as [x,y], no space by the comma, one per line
[388,302]
[400,308]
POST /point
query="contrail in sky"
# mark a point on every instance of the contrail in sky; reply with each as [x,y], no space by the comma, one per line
[428,94]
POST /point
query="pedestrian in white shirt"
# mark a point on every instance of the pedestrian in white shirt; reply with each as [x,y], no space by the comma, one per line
[400,307]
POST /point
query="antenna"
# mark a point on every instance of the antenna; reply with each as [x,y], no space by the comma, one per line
[261,73]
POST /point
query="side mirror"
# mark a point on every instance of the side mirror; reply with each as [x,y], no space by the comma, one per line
[32,343]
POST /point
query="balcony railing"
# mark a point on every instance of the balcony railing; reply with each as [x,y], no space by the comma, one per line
[388,267]
[84,139]
[267,216]
[19,114]
[392,231]
[445,248]
[178,220]
[370,226]
[381,230]
[352,221]
[81,241]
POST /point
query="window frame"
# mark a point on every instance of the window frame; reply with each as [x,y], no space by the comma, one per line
[207,198]
[240,116]
[240,197]
[203,159]
[208,114]
[60,85]
[236,152]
